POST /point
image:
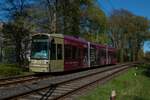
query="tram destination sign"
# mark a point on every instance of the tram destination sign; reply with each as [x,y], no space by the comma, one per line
[40,40]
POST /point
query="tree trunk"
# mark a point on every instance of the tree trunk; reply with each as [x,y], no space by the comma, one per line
[18,52]
[1,54]
[121,55]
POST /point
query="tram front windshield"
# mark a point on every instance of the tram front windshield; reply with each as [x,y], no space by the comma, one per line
[39,49]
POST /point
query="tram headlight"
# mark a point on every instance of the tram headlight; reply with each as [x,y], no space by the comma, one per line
[45,62]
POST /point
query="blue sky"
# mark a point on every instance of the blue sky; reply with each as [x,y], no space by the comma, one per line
[138,7]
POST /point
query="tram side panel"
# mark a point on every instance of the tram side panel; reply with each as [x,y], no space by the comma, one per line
[56,61]
[76,54]
[94,55]
[114,56]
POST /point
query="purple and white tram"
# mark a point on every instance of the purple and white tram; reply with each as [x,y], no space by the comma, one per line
[58,53]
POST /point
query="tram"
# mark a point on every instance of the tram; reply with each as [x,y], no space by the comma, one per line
[59,53]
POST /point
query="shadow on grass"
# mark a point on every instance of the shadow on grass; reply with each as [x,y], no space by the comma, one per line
[146,70]
[133,97]
[138,98]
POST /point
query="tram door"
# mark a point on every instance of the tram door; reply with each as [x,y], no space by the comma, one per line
[57,55]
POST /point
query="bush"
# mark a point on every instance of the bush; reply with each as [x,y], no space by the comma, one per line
[9,55]
[10,70]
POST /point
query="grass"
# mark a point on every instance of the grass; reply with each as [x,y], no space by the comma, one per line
[7,70]
[128,86]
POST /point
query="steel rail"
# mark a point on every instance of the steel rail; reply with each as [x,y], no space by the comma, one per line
[85,86]
[63,82]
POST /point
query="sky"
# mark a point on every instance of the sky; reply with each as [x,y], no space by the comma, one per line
[137,7]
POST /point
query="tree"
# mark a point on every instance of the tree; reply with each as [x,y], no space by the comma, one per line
[140,35]
[128,32]
[57,16]
[67,17]
[70,14]
[147,55]
[1,42]
[18,26]
[94,21]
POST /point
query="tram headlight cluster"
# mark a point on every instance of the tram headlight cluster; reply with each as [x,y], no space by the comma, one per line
[45,62]
[39,62]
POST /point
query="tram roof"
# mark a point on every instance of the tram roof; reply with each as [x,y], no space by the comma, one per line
[75,38]
[49,35]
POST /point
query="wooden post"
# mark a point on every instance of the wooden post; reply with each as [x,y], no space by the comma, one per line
[135,74]
[113,95]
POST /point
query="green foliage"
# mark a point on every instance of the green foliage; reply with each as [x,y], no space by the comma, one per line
[8,55]
[10,70]
[97,18]
[128,31]
[18,27]
[68,15]
[104,39]
[72,18]
[147,56]
[96,22]
[90,37]
[15,31]
[86,1]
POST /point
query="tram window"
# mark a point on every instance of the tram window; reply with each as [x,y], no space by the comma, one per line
[110,54]
[59,51]
[76,54]
[103,52]
[114,54]
[74,51]
[67,51]
[85,53]
[99,54]
[53,51]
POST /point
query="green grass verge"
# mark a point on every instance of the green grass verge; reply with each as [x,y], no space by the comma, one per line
[7,70]
[128,86]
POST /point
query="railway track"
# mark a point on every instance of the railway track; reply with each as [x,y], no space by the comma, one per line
[60,89]
[10,81]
